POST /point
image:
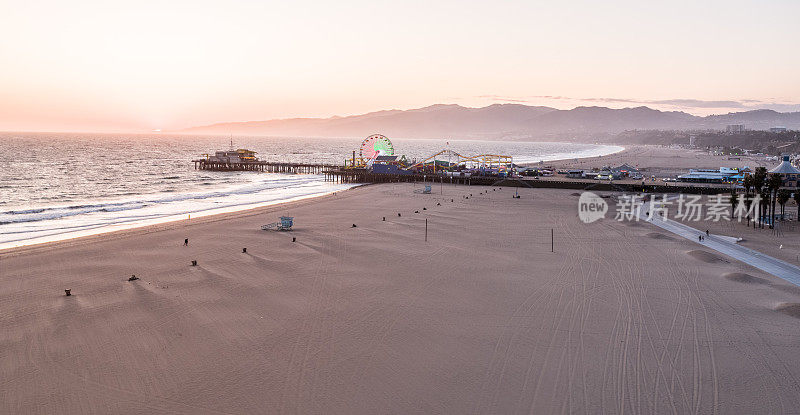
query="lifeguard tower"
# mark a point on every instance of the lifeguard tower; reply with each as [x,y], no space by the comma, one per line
[284,225]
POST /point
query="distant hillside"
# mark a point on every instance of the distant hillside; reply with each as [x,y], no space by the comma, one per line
[435,121]
[587,120]
[501,121]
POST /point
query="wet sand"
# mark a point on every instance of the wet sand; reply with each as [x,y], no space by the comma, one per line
[481,318]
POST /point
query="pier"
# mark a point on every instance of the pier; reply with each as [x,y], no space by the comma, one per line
[262,166]
[378,164]
[337,174]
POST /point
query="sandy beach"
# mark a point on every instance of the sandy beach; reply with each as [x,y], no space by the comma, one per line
[481,318]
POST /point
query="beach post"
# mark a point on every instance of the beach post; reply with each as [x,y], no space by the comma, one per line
[194,262]
[552,237]
[426,229]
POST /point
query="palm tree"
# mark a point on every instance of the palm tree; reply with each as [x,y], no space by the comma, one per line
[783,197]
[733,199]
[763,207]
[797,200]
[774,184]
[748,198]
[747,183]
[748,201]
[759,177]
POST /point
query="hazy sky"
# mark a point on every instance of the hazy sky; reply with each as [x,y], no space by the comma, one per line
[141,65]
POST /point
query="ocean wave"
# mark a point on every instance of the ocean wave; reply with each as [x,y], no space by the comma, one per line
[167,196]
[24,212]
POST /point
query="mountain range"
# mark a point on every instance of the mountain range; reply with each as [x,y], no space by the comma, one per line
[501,121]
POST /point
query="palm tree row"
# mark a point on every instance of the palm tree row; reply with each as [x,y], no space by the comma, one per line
[768,188]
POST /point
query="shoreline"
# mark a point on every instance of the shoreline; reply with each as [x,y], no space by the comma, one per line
[122,227]
[255,209]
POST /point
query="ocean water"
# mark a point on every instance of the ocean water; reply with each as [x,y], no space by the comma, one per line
[56,186]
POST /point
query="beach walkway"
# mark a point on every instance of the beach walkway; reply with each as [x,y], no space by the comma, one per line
[727,245]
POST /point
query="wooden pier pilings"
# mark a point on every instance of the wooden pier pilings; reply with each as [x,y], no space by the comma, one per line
[263,166]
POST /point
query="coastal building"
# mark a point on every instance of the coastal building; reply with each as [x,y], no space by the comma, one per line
[387,165]
[721,175]
[777,130]
[744,172]
[734,128]
[385,160]
[788,173]
[626,170]
[241,155]
[606,173]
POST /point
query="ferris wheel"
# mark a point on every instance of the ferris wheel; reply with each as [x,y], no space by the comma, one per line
[374,146]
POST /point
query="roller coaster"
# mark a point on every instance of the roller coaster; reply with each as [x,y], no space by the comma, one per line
[480,161]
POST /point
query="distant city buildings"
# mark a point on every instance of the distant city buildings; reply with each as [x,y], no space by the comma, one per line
[777,129]
[735,128]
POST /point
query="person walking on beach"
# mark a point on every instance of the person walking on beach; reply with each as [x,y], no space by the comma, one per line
[706,232]
[186,242]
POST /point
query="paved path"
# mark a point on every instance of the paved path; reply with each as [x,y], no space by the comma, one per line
[728,246]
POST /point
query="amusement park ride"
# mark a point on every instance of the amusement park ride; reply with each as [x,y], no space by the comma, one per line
[378,149]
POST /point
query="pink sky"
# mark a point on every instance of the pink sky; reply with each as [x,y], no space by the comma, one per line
[137,66]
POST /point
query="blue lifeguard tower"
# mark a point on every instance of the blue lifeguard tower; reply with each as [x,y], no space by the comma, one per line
[284,225]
